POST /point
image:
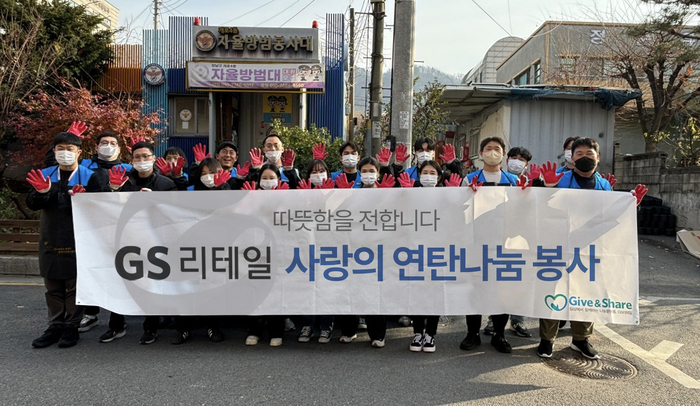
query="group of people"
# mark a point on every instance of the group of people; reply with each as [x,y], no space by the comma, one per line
[272,168]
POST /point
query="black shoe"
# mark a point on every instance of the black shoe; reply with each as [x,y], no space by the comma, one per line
[562,323]
[148,337]
[180,338]
[520,330]
[69,338]
[544,350]
[50,337]
[488,330]
[584,347]
[87,323]
[499,342]
[111,335]
[215,335]
[470,341]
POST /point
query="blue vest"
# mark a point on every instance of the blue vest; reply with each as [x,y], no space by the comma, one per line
[562,169]
[358,179]
[506,178]
[90,164]
[413,172]
[568,182]
[80,177]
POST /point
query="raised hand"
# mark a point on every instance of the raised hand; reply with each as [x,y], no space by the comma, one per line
[328,184]
[242,172]
[610,178]
[448,153]
[401,153]
[76,189]
[200,153]
[256,157]
[288,159]
[454,181]
[134,141]
[177,169]
[341,181]
[163,166]
[248,186]
[405,180]
[475,184]
[523,182]
[282,186]
[117,177]
[387,182]
[534,172]
[77,128]
[384,156]
[304,184]
[319,151]
[222,177]
[38,181]
[639,192]
[549,172]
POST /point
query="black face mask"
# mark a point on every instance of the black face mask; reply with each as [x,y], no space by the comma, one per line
[585,164]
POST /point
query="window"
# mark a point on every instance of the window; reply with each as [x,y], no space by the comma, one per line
[522,79]
[191,116]
[567,64]
[537,73]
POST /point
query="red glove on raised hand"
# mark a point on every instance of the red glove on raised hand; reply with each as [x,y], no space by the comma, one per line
[304,184]
[177,168]
[475,184]
[248,186]
[76,189]
[222,177]
[38,181]
[465,153]
[319,151]
[523,182]
[454,181]
[77,128]
[405,180]
[384,156]
[256,157]
[610,178]
[639,193]
[163,166]
[549,172]
[534,172]
[282,186]
[448,153]
[200,153]
[117,177]
[288,159]
[342,181]
[134,141]
[242,172]
[401,153]
[387,182]
[328,184]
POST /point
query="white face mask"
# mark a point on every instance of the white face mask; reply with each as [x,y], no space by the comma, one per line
[349,161]
[268,184]
[65,158]
[492,157]
[567,156]
[207,180]
[424,156]
[273,156]
[516,166]
[106,151]
[428,180]
[369,178]
[143,166]
[317,179]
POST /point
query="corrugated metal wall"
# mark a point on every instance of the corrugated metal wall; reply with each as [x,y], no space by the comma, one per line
[156,50]
[328,109]
[123,74]
[180,37]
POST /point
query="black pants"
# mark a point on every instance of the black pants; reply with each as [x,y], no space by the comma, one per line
[326,322]
[427,323]
[275,326]
[376,326]
[60,302]
[92,310]
[499,323]
[116,322]
[189,323]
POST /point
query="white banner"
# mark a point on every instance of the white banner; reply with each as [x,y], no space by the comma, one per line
[547,253]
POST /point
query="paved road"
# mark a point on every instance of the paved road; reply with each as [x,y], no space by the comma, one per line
[204,373]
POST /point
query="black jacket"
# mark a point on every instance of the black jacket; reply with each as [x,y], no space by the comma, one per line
[156,182]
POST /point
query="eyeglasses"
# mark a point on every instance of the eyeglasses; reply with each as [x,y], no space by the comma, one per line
[229,152]
[142,157]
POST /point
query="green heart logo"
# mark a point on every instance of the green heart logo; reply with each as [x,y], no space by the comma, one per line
[556,303]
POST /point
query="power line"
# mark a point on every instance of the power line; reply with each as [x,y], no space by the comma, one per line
[492,19]
[245,14]
[292,5]
[292,17]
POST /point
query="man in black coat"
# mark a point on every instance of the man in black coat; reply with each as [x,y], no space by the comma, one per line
[53,188]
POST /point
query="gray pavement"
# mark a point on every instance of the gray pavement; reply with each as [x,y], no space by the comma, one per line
[664,347]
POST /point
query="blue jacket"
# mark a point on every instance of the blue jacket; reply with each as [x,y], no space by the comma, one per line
[358,179]
[568,182]
[506,178]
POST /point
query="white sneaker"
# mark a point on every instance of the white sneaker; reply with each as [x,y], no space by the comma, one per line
[347,339]
[416,343]
[275,342]
[87,323]
[325,337]
[252,340]
[378,343]
[306,333]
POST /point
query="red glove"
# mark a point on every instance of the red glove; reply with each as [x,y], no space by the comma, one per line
[222,177]
[384,156]
[288,159]
[534,172]
[405,180]
[448,153]
[77,128]
[242,172]
[610,178]
[76,189]
[639,193]
[200,153]
[177,168]
[36,178]
[465,153]
[328,184]
[256,157]
[163,166]
[248,186]
[549,171]
[319,151]
[282,186]
[117,177]
[387,182]
[475,184]
[523,182]
[304,184]
[401,153]
[342,181]
[454,181]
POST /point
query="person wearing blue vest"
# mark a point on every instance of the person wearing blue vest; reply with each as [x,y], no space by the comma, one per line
[568,163]
[226,154]
[172,165]
[349,156]
[53,188]
[273,150]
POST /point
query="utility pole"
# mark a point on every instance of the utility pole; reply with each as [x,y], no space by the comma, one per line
[155,14]
[402,74]
[351,76]
[377,66]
